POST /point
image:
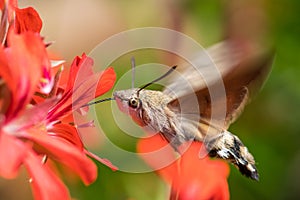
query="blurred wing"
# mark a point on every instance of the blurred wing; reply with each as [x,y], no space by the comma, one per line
[195,100]
[244,82]
[204,68]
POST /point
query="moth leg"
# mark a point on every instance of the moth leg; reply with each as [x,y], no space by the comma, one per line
[177,143]
[175,140]
[229,147]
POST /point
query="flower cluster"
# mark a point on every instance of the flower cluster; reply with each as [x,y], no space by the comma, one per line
[37,129]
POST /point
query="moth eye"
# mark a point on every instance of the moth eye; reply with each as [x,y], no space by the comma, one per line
[133,103]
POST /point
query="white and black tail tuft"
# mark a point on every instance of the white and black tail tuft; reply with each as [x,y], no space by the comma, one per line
[229,147]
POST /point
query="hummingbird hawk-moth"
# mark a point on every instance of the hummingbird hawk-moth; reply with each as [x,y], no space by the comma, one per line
[178,119]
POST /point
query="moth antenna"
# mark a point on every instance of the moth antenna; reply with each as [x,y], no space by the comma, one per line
[133,72]
[158,79]
[99,101]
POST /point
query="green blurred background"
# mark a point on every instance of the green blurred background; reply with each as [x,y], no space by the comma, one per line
[269,126]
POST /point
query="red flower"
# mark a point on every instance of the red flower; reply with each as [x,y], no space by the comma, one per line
[20,71]
[81,89]
[191,177]
[22,21]
[34,129]
[75,94]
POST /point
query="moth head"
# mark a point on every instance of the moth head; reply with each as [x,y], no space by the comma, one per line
[127,99]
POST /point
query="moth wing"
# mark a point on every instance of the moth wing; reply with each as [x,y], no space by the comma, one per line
[244,82]
[215,108]
[204,68]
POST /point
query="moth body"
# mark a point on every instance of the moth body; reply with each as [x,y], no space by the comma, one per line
[150,109]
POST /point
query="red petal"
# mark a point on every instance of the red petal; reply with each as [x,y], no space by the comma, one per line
[82,93]
[80,70]
[94,86]
[45,184]
[32,116]
[204,179]
[158,153]
[67,132]
[12,153]
[66,153]
[106,81]
[27,19]
[21,67]
[191,177]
